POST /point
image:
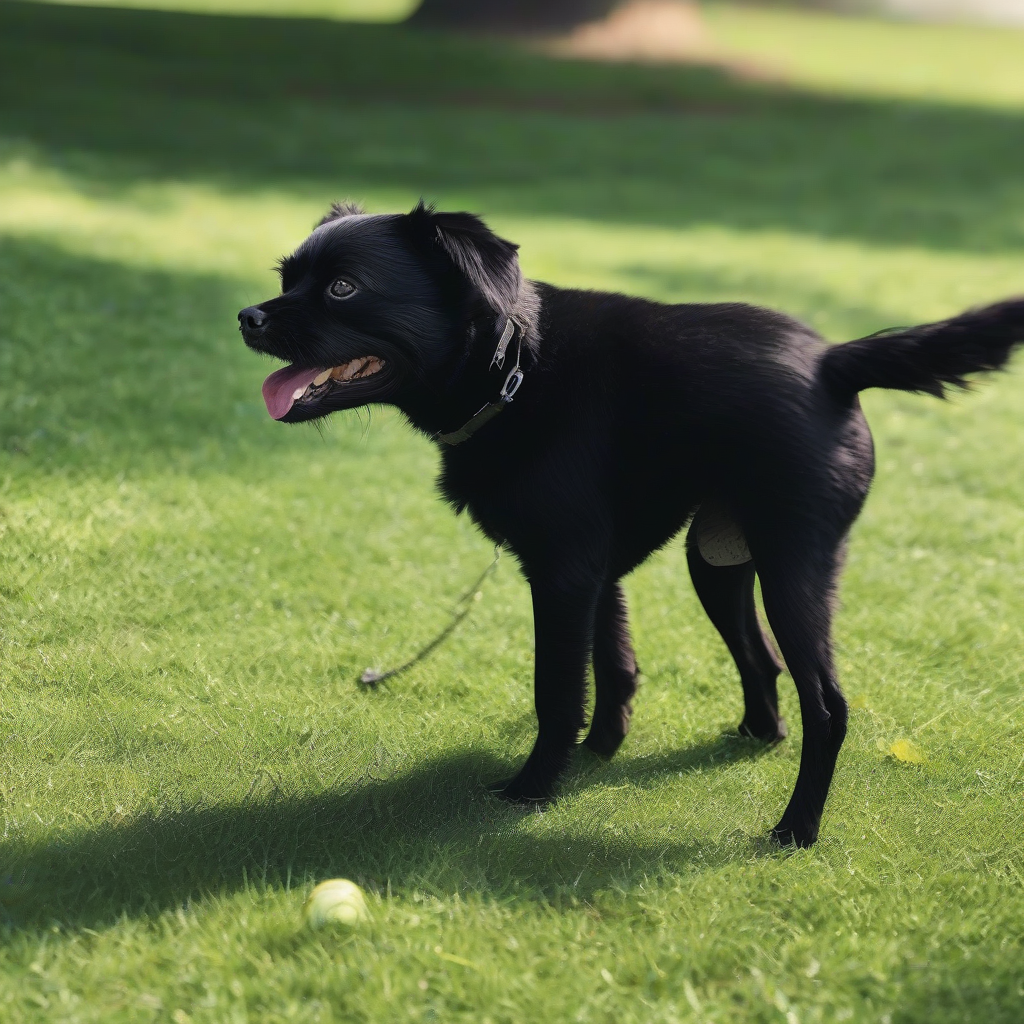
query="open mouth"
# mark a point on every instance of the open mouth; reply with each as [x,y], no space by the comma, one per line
[293,384]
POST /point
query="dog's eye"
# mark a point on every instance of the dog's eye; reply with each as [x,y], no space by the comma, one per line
[341,289]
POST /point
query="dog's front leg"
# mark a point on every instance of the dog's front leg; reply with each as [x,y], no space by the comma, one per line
[563,621]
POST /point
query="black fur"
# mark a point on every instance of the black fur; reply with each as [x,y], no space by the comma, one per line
[339,210]
[634,418]
[926,358]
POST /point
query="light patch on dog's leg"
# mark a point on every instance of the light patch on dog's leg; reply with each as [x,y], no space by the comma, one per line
[720,539]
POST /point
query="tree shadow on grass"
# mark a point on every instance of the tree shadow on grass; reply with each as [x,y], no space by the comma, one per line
[434,828]
[115,95]
[141,366]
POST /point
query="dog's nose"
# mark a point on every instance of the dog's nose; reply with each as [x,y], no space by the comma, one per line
[252,319]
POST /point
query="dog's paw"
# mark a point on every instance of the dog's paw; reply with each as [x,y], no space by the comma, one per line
[794,836]
[520,790]
[608,730]
[604,742]
[768,732]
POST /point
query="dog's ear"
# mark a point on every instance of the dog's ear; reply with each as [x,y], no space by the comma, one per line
[339,210]
[489,263]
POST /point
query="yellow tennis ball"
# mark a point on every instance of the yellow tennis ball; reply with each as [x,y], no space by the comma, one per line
[336,901]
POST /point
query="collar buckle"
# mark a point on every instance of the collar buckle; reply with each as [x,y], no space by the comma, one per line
[498,359]
[508,389]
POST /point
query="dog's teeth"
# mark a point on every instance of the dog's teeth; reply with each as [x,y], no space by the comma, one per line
[354,369]
[321,378]
[298,393]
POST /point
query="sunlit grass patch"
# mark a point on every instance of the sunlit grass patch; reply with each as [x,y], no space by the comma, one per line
[974,64]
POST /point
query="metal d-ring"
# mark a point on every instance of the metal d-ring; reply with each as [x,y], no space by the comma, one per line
[511,385]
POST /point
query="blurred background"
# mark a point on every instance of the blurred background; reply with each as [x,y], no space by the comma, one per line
[680,150]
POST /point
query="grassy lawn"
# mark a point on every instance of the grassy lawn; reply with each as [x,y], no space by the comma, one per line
[188,591]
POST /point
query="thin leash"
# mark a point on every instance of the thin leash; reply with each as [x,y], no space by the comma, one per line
[464,605]
[372,677]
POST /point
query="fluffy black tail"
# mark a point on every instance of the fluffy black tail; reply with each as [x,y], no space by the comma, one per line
[927,358]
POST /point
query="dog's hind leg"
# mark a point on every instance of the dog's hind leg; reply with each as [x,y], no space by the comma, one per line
[798,580]
[727,594]
[615,673]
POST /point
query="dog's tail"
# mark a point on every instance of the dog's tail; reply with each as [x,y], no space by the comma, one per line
[928,358]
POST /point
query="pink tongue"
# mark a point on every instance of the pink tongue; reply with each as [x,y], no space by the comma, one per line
[280,387]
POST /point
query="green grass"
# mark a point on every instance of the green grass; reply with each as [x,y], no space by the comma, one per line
[965,64]
[188,590]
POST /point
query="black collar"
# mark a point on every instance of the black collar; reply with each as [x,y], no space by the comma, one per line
[508,389]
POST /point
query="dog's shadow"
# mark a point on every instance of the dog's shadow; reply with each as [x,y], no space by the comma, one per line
[435,828]
[725,748]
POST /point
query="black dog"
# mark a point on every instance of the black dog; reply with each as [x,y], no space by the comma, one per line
[630,418]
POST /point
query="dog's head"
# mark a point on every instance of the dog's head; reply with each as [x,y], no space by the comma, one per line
[374,306]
